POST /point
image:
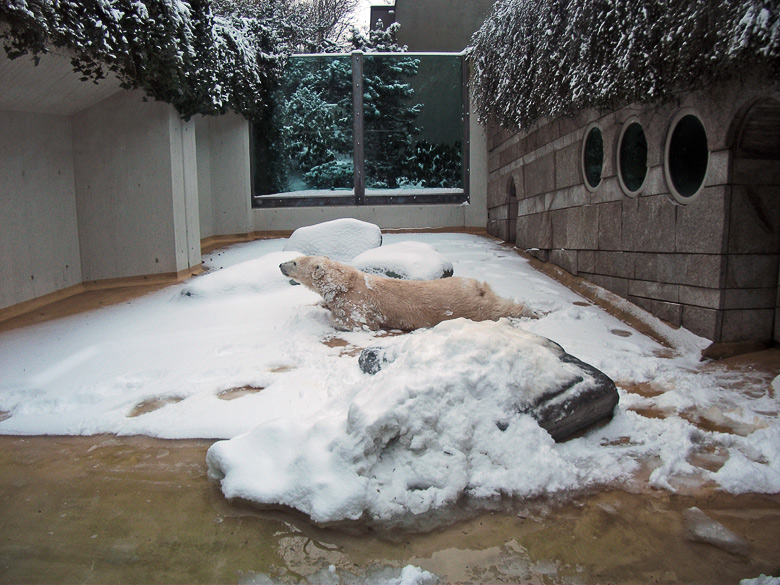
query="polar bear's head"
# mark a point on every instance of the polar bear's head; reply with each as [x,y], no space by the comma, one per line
[319,273]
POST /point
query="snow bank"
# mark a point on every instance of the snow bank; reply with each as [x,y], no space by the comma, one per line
[407,260]
[339,239]
[442,420]
[303,396]
[251,276]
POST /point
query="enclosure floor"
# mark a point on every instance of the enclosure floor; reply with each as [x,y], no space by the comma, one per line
[79,303]
[105,509]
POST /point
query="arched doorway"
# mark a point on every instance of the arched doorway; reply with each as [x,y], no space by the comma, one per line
[752,277]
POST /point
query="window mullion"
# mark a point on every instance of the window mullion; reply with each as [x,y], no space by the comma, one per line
[358,152]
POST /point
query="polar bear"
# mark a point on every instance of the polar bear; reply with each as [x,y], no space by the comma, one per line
[359,300]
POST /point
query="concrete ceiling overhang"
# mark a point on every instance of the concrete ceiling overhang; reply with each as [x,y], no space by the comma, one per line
[51,87]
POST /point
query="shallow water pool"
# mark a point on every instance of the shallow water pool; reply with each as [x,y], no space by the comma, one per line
[138,510]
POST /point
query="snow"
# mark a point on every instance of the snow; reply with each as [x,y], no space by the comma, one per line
[414,437]
[251,276]
[338,239]
[314,432]
[409,260]
[384,575]
[761,580]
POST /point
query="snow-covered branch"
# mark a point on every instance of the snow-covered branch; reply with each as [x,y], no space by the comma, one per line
[556,57]
[177,51]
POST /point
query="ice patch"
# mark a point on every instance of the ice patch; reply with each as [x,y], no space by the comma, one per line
[702,528]
[761,580]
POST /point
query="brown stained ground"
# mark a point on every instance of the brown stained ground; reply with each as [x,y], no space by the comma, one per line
[235,393]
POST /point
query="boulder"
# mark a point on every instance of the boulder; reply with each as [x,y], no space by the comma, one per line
[583,400]
[405,260]
[339,239]
[563,413]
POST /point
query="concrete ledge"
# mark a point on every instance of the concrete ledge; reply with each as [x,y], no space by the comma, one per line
[132,282]
[614,304]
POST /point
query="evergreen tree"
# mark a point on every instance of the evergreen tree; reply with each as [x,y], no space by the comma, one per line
[314,110]
[308,144]
[389,111]
[316,122]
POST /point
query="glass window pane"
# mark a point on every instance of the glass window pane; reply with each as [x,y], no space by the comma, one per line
[593,155]
[413,120]
[633,157]
[688,155]
[304,145]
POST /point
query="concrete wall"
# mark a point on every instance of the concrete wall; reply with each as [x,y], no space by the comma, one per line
[184,176]
[673,260]
[439,25]
[385,216]
[39,245]
[203,155]
[230,175]
[136,185]
[95,184]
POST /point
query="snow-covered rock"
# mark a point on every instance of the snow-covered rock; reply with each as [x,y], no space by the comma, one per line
[587,397]
[339,239]
[407,260]
[441,420]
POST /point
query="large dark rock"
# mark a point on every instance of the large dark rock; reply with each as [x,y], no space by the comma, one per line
[563,413]
[583,401]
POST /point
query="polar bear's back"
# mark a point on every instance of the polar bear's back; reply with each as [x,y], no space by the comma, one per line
[405,304]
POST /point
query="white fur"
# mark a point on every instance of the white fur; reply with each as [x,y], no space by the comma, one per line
[357,299]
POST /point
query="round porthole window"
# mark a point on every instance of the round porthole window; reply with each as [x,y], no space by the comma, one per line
[686,157]
[592,157]
[632,157]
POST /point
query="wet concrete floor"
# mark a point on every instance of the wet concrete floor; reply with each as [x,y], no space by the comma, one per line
[107,509]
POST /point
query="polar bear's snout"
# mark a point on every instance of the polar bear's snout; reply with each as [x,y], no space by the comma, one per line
[287,267]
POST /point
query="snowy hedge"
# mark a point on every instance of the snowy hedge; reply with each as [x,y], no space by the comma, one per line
[177,51]
[537,58]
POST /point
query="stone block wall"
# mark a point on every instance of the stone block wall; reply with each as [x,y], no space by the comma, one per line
[710,265]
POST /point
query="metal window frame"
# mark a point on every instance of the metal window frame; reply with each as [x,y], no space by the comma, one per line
[357,196]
